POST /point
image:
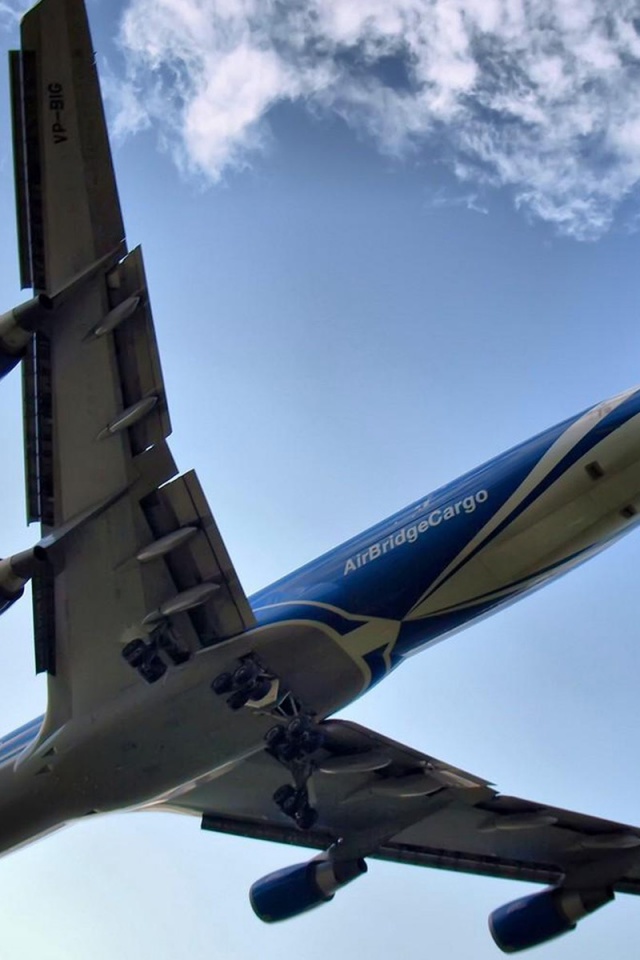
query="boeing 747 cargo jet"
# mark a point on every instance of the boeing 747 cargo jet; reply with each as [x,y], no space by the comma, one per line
[142,626]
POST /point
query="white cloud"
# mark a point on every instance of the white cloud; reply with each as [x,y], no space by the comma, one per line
[539,96]
[442,198]
[11,11]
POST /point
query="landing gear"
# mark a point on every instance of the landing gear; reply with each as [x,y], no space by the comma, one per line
[238,699]
[145,655]
[295,741]
[306,818]
[292,741]
[286,798]
[274,737]
[245,674]
[261,689]
[222,684]
[294,803]
[167,642]
[144,658]
[249,683]
[292,745]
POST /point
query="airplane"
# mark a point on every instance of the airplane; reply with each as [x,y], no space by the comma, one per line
[167,687]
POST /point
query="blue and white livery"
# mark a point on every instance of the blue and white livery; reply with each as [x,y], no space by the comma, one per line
[167,687]
[483,541]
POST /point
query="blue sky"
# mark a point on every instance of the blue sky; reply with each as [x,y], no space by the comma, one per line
[380,250]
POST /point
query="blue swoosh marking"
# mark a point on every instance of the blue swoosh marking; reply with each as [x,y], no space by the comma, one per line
[307,611]
[407,573]
[416,633]
[598,432]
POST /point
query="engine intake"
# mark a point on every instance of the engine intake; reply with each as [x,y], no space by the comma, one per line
[294,890]
[535,919]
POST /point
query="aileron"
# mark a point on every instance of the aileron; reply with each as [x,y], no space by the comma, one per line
[69,213]
[137,351]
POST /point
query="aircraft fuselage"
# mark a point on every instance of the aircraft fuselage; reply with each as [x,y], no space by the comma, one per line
[340,623]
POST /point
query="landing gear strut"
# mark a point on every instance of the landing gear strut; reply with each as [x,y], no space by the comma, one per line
[293,745]
[292,742]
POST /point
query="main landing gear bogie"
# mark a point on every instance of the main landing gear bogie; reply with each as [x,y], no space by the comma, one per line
[294,803]
[149,657]
[293,745]
[247,683]
[292,741]
[296,740]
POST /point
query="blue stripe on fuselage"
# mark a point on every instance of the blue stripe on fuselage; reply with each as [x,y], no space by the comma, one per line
[389,586]
[602,429]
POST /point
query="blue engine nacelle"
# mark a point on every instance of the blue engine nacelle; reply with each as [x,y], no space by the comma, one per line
[294,890]
[542,916]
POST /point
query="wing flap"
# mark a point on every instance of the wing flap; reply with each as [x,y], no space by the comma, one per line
[203,559]
[137,352]
[38,431]
[318,839]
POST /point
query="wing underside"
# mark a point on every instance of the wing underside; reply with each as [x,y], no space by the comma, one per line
[415,809]
[140,556]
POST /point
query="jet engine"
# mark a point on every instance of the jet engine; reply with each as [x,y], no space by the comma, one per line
[15,571]
[539,917]
[16,329]
[294,890]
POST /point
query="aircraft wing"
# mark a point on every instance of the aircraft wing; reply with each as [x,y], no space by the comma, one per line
[389,802]
[141,557]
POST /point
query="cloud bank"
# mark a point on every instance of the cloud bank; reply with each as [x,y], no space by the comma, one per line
[540,96]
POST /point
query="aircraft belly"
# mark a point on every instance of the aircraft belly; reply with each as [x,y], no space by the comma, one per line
[156,739]
[328,669]
[28,808]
